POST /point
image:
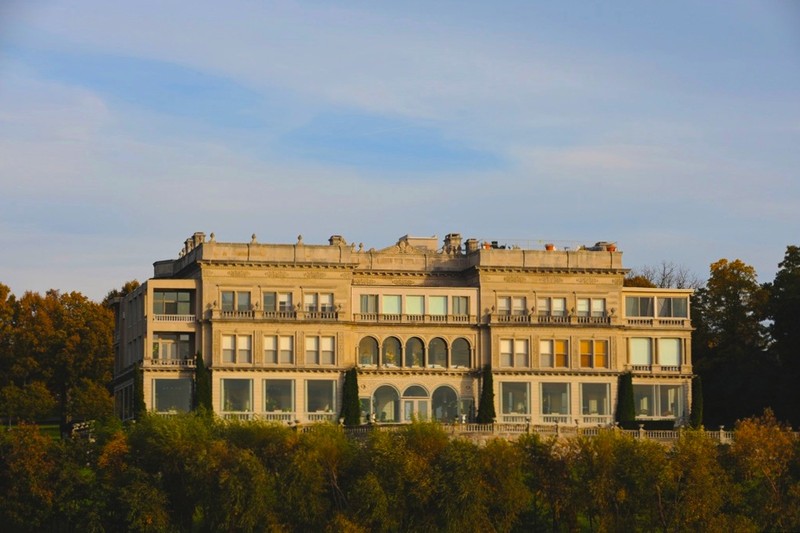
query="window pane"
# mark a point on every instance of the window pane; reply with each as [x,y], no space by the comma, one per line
[237,395]
[546,354]
[310,302]
[560,355]
[269,302]
[586,353]
[415,305]
[285,302]
[286,350]
[244,349]
[415,352]
[278,395]
[368,351]
[594,399]
[242,301]
[369,303]
[641,351]
[228,348]
[555,399]
[515,398]
[227,300]
[599,307]
[644,400]
[601,354]
[326,302]
[321,396]
[438,305]
[504,305]
[312,347]
[327,350]
[518,305]
[664,307]
[506,352]
[391,351]
[680,307]
[460,353]
[670,400]
[270,349]
[460,305]
[669,352]
[172,394]
[390,304]
[521,353]
[559,306]
[582,308]
[437,353]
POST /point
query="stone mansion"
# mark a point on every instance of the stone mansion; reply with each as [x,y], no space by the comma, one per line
[279,324]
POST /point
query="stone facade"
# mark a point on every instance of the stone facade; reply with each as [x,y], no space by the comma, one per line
[279,324]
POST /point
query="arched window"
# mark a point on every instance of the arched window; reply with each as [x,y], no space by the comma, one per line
[460,353]
[415,404]
[387,404]
[368,351]
[437,353]
[415,353]
[445,404]
[392,352]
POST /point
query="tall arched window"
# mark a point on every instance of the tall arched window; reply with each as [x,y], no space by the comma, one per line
[415,353]
[445,404]
[368,351]
[460,353]
[387,404]
[392,352]
[415,404]
[437,353]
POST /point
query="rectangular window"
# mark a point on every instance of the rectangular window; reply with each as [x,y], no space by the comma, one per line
[279,395]
[172,302]
[391,304]
[237,395]
[504,305]
[270,302]
[559,307]
[673,307]
[543,306]
[310,302]
[369,303]
[326,302]
[237,349]
[460,305]
[506,352]
[598,307]
[319,350]
[415,305]
[555,399]
[583,307]
[669,352]
[594,354]
[641,351]
[171,395]
[660,401]
[518,305]
[437,305]
[521,353]
[639,306]
[553,354]
[285,304]
[270,349]
[285,350]
[515,398]
[594,399]
[242,301]
[321,396]
[228,300]
[173,346]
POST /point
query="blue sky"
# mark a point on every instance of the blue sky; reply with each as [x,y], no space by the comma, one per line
[671,128]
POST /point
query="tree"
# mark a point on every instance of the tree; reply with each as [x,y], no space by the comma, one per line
[729,343]
[127,288]
[29,403]
[665,275]
[486,412]
[202,384]
[696,416]
[784,312]
[626,408]
[351,407]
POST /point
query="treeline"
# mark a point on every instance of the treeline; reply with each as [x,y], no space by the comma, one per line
[197,473]
[56,357]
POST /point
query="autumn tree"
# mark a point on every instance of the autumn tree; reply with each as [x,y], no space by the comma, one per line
[729,343]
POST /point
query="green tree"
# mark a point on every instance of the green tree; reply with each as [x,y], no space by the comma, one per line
[784,329]
[696,416]
[351,407]
[626,408]
[486,412]
[729,343]
[202,384]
